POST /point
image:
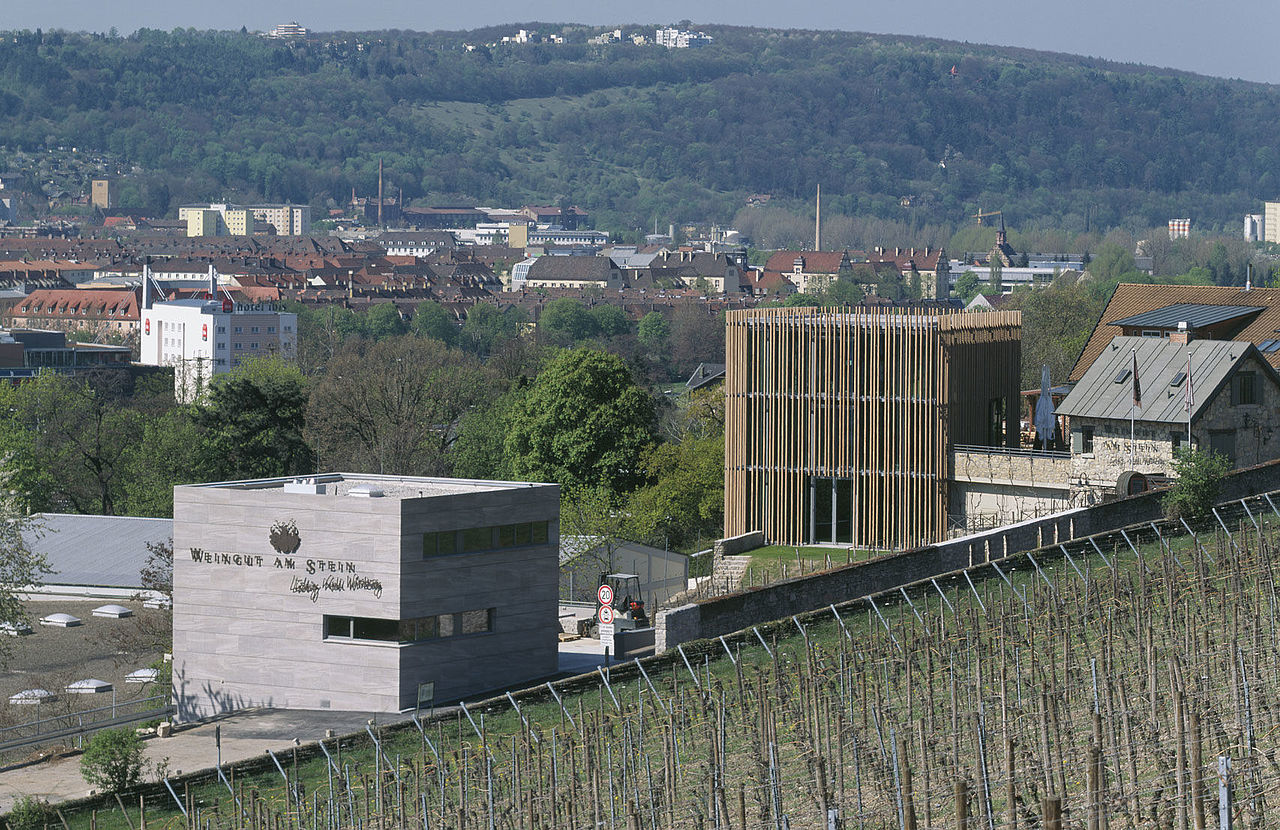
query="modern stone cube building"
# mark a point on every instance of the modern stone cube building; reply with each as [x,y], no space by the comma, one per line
[346,591]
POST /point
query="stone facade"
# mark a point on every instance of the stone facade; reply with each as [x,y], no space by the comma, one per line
[265,577]
[993,487]
[1252,432]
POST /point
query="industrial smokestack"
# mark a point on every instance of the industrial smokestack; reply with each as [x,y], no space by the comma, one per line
[817,223]
[146,285]
[213,283]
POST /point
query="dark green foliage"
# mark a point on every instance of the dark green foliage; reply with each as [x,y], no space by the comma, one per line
[583,423]
[430,319]
[567,321]
[1199,480]
[214,114]
[253,423]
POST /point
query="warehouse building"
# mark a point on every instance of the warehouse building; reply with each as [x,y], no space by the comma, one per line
[348,592]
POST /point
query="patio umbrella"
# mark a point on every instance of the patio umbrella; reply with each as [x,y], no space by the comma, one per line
[1045,421]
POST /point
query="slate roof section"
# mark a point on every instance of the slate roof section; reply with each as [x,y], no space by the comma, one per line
[573,268]
[1160,361]
[1196,315]
[98,551]
[1132,299]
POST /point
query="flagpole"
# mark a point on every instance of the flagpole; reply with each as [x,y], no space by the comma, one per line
[1132,406]
[1190,400]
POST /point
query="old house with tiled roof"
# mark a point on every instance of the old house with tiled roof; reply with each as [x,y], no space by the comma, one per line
[1253,316]
[1221,395]
[802,267]
[574,272]
[717,273]
[101,311]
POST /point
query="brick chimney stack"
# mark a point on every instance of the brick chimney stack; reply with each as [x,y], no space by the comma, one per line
[1182,335]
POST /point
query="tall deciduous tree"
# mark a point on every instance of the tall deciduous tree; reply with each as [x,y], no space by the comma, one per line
[583,423]
[393,406]
[253,422]
[73,442]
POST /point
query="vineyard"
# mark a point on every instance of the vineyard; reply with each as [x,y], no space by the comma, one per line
[1094,685]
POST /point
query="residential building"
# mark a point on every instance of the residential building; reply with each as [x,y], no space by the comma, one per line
[288,220]
[349,592]
[217,220]
[99,311]
[1212,312]
[289,31]
[102,194]
[573,272]
[673,38]
[713,273]
[838,423]
[1271,222]
[1216,395]
[801,268]
[241,220]
[1254,227]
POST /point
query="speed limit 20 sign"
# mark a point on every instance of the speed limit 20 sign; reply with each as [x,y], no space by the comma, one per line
[605,595]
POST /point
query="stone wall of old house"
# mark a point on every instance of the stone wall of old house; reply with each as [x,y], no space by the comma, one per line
[1256,428]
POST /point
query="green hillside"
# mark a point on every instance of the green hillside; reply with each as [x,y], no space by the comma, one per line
[638,133]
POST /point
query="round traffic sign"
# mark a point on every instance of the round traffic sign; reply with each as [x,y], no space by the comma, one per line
[605,595]
[605,615]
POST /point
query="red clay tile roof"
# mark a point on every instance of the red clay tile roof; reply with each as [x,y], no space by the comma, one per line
[78,304]
[1130,299]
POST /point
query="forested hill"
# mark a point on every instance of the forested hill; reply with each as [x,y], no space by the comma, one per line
[638,133]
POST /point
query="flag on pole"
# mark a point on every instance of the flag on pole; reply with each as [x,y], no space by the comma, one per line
[1191,396]
[1137,390]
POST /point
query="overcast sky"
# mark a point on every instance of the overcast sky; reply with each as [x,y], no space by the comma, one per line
[1233,40]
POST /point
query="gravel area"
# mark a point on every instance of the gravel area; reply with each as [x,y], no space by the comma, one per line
[102,648]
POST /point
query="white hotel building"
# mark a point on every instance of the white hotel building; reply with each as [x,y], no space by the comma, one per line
[203,338]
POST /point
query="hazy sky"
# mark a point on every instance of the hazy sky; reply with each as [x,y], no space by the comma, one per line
[1232,40]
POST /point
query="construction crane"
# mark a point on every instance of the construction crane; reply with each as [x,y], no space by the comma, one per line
[980,215]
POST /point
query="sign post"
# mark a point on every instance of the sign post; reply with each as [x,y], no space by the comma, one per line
[604,616]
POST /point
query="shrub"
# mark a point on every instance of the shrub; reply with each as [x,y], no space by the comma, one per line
[1199,479]
[30,813]
[113,760]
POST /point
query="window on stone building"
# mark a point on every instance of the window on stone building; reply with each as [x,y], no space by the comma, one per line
[1244,389]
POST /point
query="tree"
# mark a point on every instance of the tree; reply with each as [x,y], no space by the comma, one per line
[113,761]
[486,327]
[1199,479]
[653,332]
[611,320]
[567,321]
[384,320]
[431,319]
[77,444]
[31,813]
[253,420]
[967,286]
[393,406]
[583,423]
[20,567]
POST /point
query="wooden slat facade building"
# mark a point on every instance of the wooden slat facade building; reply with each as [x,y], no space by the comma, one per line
[839,422]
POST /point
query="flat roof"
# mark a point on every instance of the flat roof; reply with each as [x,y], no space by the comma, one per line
[366,484]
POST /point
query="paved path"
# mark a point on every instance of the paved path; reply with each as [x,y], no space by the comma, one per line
[244,735]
